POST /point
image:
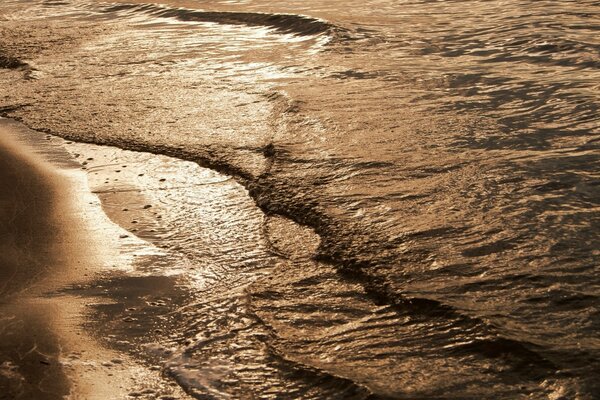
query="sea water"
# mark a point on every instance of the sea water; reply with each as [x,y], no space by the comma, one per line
[420,181]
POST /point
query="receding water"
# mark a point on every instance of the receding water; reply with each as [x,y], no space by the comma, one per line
[414,186]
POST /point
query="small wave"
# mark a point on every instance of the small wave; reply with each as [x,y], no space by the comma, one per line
[522,356]
[338,386]
[285,23]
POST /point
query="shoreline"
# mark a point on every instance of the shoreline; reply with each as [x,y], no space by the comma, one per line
[114,310]
[29,197]
[56,238]
[401,205]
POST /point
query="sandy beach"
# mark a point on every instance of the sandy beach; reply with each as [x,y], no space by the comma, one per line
[31,199]
[56,244]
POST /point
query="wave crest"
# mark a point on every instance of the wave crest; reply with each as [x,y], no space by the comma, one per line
[285,23]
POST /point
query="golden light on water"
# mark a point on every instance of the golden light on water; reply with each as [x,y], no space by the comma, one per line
[298,198]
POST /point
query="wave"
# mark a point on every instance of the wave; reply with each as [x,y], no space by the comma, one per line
[284,23]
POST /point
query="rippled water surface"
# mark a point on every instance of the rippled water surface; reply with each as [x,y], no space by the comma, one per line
[419,209]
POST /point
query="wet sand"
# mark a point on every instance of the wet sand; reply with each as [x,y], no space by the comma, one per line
[29,350]
[54,238]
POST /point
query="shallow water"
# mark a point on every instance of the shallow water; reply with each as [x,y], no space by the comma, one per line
[445,153]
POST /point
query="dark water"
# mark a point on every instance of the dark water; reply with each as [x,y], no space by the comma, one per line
[445,153]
